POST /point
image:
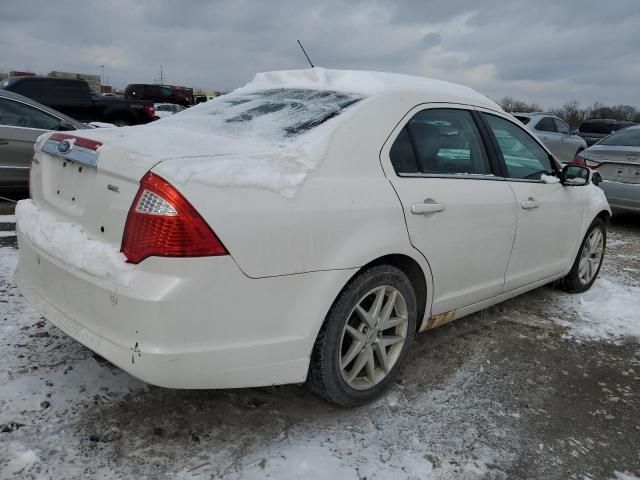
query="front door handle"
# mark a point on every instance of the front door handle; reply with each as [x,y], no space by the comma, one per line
[428,206]
[530,203]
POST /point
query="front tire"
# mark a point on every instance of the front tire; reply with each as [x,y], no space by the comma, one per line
[587,264]
[365,337]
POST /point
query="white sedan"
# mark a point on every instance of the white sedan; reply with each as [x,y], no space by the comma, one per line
[301,229]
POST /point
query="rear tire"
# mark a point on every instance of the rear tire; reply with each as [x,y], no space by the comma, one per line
[365,338]
[587,264]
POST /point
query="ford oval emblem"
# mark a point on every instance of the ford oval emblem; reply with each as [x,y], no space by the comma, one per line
[64,147]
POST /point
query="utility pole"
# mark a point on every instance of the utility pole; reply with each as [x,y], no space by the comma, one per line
[101,74]
[161,76]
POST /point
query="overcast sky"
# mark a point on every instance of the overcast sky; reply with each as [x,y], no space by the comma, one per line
[536,50]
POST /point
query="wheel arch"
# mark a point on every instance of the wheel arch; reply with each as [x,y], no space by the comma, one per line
[418,272]
[605,216]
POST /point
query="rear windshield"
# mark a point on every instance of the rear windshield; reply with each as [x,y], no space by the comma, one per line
[629,137]
[524,120]
[268,114]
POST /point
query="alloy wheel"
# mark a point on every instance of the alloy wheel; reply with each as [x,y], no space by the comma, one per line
[373,337]
[591,257]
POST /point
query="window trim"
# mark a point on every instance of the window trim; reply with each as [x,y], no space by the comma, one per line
[498,152]
[496,171]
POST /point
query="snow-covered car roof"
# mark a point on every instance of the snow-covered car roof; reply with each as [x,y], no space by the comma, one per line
[366,83]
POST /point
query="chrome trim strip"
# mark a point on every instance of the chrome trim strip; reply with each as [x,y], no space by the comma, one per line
[77,154]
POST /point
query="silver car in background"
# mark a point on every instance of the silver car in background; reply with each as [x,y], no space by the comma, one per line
[617,159]
[554,133]
[22,121]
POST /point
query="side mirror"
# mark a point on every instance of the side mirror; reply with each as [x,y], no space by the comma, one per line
[596,178]
[65,126]
[575,175]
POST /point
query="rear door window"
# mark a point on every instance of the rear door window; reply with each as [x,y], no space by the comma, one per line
[32,88]
[70,91]
[440,141]
[17,114]
[546,125]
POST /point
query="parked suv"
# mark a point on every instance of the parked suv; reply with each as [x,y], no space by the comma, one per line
[73,97]
[595,129]
[554,133]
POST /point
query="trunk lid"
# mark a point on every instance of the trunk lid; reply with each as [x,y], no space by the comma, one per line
[617,163]
[90,178]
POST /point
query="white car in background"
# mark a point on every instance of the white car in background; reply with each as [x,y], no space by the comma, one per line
[301,229]
[166,109]
[558,137]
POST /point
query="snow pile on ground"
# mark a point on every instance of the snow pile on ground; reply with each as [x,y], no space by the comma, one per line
[69,244]
[624,476]
[46,380]
[608,311]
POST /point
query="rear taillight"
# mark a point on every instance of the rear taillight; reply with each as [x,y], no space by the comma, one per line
[150,110]
[578,160]
[591,163]
[162,223]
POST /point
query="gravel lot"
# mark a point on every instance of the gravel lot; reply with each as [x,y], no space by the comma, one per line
[544,386]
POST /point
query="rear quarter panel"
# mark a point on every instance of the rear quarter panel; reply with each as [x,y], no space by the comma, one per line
[345,215]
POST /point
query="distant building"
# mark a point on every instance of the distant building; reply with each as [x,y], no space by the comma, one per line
[16,73]
[92,80]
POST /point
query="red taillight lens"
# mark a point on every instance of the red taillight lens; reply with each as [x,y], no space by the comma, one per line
[591,163]
[150,110]
[578,160]
[162,223]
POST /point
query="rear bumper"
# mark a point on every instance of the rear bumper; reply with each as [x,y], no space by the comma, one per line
[186,323]
[622,197]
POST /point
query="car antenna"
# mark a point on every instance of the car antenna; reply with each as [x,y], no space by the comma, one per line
[305,54]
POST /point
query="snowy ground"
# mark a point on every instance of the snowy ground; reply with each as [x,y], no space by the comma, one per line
[544,386]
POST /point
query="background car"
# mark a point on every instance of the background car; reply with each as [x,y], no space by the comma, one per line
[74,98]
[166,109]
[617,159]
[595,129]
[554,133]
[22,121]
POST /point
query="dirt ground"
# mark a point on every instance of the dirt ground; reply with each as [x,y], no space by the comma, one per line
[522,390]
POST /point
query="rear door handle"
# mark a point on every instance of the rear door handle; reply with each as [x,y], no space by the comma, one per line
[530,204]
[428,206]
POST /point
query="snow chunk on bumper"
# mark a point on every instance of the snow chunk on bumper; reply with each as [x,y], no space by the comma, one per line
[69,244]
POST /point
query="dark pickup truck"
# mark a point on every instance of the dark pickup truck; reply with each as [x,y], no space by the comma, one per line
[74,98]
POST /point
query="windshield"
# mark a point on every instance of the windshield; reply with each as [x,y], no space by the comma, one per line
[629,137]
[270,114]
